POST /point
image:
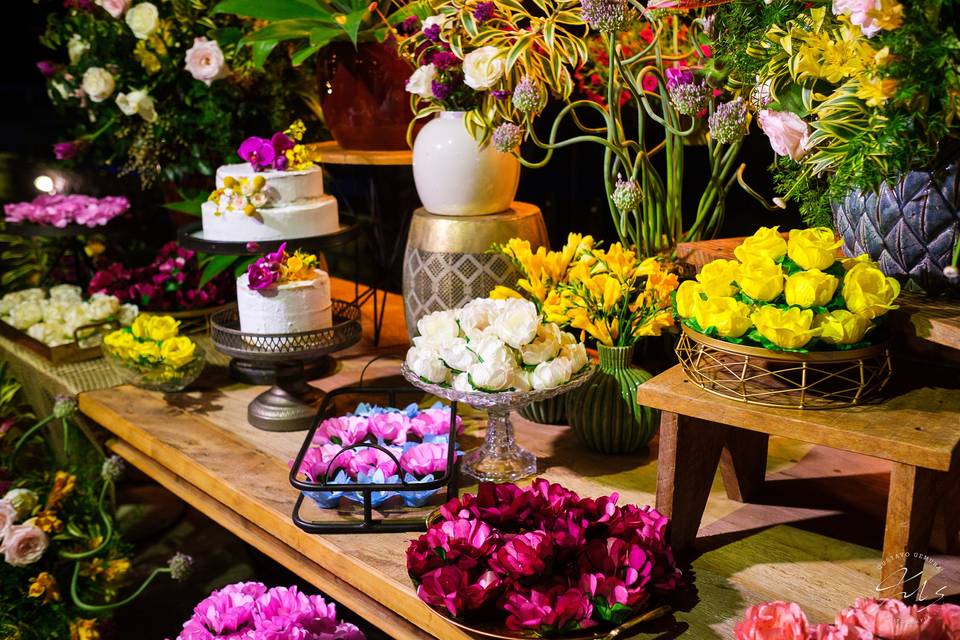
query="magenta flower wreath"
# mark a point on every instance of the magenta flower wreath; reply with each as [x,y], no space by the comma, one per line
[550,561]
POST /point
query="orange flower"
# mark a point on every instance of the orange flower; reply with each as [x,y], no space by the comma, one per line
[63,485]
[48,522]
[84,629]
[44,585]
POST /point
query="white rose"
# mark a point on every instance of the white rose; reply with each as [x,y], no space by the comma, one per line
[551,374]
[143,20]
[427,365]
[98,83]
[490,348]
[75,317]
[25,314]
[430,21]
[137,102]
[476,318]
[36,294]
[439,325]
[789,135]
[461,382]
[520,380]
[483,67]
[101,307]
[39,331]
[76,47]
[9,301]
[421,81]
[491,376]
[545,347]
[66,293]
[53,311]
[114,7]
[576,354]
[457,355]
[127,313]
[517,322]
[205,61]
[23,500]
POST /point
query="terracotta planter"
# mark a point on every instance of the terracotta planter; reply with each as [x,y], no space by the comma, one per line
[362,95]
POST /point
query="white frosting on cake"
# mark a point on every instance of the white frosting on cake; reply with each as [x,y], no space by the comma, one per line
[296,208]
[293,307]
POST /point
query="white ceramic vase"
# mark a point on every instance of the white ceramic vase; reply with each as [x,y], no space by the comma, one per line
[455,177]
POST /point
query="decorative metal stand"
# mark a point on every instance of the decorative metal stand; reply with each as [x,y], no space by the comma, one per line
[499,458]
[290,404]
[368,524]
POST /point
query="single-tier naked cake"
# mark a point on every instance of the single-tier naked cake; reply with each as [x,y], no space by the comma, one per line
[276,195]
[284,293]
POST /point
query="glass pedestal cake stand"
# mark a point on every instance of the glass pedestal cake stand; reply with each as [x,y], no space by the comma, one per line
[290,404]
[499,458]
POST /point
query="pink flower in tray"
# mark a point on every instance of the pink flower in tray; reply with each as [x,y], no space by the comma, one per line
[424,459]
[451,588]
[225,613]
[940,621]
[369,460]
[390,426]
[889,619]
[317,460]
[345,431]
[524,555]
[433,422]
[834,632]
[773,621]
[551,610]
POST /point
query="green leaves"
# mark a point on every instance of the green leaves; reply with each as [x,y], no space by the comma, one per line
[273,9]
[213,266]
[190,207]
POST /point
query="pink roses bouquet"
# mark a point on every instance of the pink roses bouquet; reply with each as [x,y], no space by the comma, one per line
[866,619]
[59,210]
[379,445]
[248,611]
[553,561]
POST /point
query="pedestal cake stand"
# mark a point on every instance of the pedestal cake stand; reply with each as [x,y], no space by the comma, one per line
[291,403]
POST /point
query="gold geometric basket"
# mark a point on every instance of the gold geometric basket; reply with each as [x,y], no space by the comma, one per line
[814,380]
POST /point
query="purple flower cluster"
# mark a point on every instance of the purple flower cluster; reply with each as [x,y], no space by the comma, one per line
[729,122]
[409,26]
[266,271]
[606,15]
[60,210]
[262,153]
[484,11]
[432,33]
[551,560]
[250,611]
[171,282]
[66,150]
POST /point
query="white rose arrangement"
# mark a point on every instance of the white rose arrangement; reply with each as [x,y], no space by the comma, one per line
[53,317]
[137,102]
[143,19]
[98,84]
[494,345]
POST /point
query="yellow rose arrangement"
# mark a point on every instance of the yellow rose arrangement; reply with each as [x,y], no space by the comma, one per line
[790,294]
[153,348]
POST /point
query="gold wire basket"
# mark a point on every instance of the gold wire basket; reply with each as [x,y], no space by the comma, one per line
[813,380]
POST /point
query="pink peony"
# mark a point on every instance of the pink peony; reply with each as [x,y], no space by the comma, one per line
[444,587]
[24,544]
[391,427]
[940,621]
[205,61]
[317,460]
[890,619]
[225,613]
[772,621]
[789,135]
[8,515]
[552,610]
[115,8]
[835,632]
[524,555]
[345,431]
[433,422]
[369,460]
[424,459]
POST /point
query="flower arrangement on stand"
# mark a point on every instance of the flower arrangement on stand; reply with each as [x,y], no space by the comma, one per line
[543,559]
[251,610]
[158,88]
[64,566]
[861,103]
[151,354]
[866,619]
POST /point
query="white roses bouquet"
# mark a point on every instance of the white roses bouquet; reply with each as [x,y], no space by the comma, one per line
[492,346]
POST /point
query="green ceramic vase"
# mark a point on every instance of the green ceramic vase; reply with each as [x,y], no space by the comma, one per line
[604,413]
[552,411]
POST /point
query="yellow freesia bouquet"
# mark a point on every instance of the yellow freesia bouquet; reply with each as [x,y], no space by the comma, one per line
[788,295]
[153,348]
[543,271]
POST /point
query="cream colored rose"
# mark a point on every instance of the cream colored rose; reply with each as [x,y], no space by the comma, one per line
[789,135]
[76,47]
[137,102]
[205,61]
[439,325]
[483,67]
[551,374]
[476,318]
[427,365]
[491,375]
[143,20]
[516,322]
[66,293]
[127,313]
[98,84]
[421,81]
[545,347]
[490,348]
[457,355]
[25,314]
[101,306]
[520,380]
[576,354]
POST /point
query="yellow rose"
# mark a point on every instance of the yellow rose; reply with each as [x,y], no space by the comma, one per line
[719,277]
[120,343]
[868,292]
[162,328]
[730,317]
[688,297]
[850,263]
[140,326]
[813,248]
[149,352]
[788,329]
[841,326]
[812,288]
[765,243]
[761,279]
[178,352]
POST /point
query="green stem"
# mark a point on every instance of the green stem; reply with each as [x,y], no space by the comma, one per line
[107,526]
[26,437]
[103,608]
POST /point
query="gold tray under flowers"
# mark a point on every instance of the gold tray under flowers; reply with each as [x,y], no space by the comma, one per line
[64,353]
[811,380]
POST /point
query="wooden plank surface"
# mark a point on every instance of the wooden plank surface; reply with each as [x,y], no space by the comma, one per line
[919,427]
[330,152]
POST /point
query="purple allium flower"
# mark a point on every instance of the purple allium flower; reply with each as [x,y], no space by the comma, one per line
[180,565]
[409,26]
[444,60]
[501,94]
[689,98]
[65,150]
[432,33]
[627,195]
[606,15]
[112,469]
[259,152]
[484,11]
[729,122]
[64,406]
[678,75]
[526,96]
[507,137]
[441,90]
[48,67]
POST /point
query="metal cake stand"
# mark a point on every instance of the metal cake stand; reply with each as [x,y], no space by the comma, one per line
[291,403]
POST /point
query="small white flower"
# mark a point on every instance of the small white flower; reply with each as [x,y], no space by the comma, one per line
[98,84]
[9,301]
[461,382]
[23,500]
[520,381]
[25,314]
[66,293]
[439,325]
[137,102]
[544,347]
[143,20]
[516,322]
[127,313]
[430,21]
[576,354]
[551,374]
[76,47]
[100,306]
[490,348]
[483,67]
[427,365]
[476,318]
[491,375]
[421,81]
[457,355]
[205,61]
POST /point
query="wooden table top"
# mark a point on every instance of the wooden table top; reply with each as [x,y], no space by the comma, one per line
[920,426]
[330,152]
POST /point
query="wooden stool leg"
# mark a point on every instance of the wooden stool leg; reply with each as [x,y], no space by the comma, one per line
[743,463]
[687,462]
[910,511]
[946,527]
